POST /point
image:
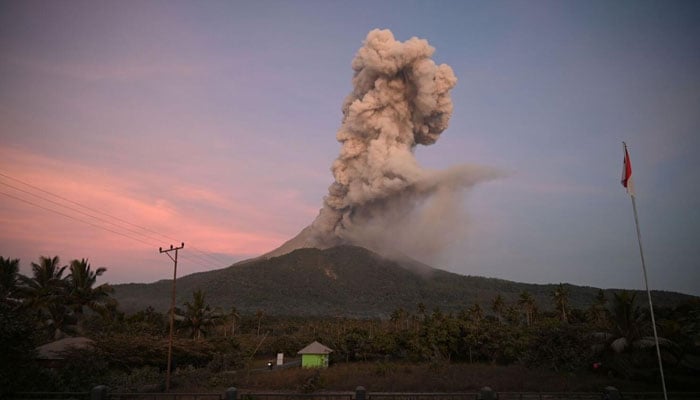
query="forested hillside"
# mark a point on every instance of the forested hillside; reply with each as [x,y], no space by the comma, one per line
[348,281]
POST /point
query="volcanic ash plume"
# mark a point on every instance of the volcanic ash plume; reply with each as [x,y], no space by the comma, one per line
[381,198]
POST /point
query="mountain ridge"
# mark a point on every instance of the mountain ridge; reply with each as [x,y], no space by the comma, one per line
[347,281]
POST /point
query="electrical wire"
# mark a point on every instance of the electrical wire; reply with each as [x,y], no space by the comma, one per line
[199,258]
[210,257]
[74,218]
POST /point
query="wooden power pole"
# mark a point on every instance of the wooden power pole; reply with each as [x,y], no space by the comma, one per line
[172,310]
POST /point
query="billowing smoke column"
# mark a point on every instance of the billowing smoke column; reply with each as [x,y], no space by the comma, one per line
[381,198]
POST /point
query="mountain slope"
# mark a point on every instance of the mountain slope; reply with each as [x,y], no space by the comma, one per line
[343,281]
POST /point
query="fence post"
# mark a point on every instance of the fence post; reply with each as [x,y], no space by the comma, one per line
[486,393]
[98,393]
[360,393]
[231,394]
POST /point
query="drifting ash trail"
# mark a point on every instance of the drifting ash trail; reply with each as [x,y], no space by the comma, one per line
[381,198]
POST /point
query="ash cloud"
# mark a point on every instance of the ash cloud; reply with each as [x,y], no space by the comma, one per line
[382,198]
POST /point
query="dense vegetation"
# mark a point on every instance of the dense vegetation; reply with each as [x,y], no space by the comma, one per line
[611,332]
[349,281]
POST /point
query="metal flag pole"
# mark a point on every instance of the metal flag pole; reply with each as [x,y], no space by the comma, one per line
[626,175]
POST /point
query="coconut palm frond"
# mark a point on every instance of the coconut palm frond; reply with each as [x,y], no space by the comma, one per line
[648,341]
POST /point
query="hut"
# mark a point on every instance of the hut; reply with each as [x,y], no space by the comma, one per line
[314,355]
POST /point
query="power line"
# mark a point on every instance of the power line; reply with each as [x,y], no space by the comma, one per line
[72,209]
[73,218]
[76,203]
[123,221]
[203,258]
[194,260]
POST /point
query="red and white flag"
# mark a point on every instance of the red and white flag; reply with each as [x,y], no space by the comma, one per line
[627,172]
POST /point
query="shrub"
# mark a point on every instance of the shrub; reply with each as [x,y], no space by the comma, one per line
[82,369]
[225,362]
[561,347]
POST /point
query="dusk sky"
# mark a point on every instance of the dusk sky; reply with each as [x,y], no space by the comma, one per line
[213,123]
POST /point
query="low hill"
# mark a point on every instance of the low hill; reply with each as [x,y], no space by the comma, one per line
[345,281]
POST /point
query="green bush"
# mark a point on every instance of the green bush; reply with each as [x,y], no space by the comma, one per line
[225,362]
[561,347]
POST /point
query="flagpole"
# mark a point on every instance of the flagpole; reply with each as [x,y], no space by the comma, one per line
[646,281]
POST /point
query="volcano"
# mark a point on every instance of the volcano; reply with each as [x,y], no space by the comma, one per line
[381,209]
[381,198]
[345,281]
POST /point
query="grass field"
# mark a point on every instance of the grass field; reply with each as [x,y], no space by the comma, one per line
[404,377]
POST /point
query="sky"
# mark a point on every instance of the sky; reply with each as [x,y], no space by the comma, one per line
[129,126]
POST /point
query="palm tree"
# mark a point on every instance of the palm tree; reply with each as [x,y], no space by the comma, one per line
[47,280]
[234,316]
[629,331]
[400,318]
[598,312]
[476,313]
[46,293]
[82,290]
[471,327]
[628,323]
[9,278]
[421,310]
[561,301]
[527,302]
[498,306]
[198,316]
[259,316]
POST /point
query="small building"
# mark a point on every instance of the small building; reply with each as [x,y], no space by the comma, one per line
[314,355]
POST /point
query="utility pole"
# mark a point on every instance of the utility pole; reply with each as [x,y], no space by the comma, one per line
[172,310]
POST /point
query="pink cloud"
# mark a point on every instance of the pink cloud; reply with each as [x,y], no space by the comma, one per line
[201,217]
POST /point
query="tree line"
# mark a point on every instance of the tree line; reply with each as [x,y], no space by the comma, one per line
[612,335]
[56,296]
